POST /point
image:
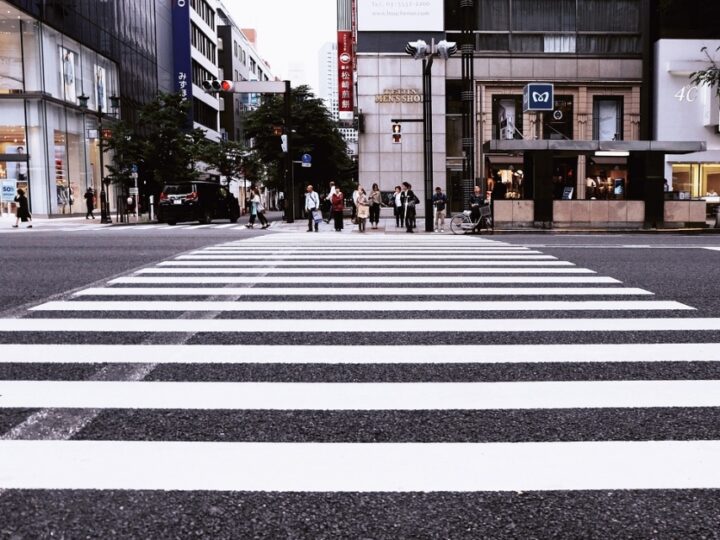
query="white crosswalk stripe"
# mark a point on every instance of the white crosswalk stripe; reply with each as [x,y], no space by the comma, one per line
[339,327]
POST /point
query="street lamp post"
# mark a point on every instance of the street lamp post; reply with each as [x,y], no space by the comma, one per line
[420,50]
[114,104]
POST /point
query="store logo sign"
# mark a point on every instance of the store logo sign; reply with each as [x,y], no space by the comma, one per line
[538,97]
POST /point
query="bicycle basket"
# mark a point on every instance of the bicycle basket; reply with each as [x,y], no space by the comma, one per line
[484,211]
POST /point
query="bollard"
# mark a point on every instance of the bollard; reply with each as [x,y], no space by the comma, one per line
[717,217]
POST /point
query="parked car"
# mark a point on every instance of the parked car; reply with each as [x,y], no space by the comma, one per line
[201,201]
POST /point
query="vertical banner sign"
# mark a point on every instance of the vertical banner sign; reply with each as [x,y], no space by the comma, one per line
[182,64]
[353,26]
[345,75]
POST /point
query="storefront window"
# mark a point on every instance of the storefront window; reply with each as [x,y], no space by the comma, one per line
[11,73]
[607,118]
[710,180]
[606,178]
[683,178]
[507,117]
[13,147]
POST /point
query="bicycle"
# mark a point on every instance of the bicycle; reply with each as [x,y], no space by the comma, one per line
[462,223]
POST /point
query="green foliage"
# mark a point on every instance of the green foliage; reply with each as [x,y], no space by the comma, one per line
[313,132]
[232,158]
[709,76]
[163,146]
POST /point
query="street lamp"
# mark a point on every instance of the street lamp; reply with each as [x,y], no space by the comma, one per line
[420,50]
[114,105]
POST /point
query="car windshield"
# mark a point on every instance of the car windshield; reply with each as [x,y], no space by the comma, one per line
[178,189]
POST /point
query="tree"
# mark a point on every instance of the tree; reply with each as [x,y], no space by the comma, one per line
[162,145]
[313,132]
[233,159]
[709,76]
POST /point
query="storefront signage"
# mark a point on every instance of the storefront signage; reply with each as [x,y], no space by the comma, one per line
[345,75]
[8,190]
[400,15]
[538,97]
[182,62]
[399,95]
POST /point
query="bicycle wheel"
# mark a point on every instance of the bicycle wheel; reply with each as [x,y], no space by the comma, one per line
[460,224]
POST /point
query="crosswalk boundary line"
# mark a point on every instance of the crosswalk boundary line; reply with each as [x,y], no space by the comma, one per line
[365,355]
[363,306]
[392,326]
[359,467]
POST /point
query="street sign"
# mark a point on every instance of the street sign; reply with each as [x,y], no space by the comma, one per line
[134,191]
[538,97]
[306,160]
[134,168]
[134,175]
[8,190]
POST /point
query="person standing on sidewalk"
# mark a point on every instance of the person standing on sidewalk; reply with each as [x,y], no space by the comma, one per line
[326,203]
[312,205]
[410,201]
[23,209]
[397,199]
[338,206]
[363,209]
[439,201]
[375,200]
[90,203]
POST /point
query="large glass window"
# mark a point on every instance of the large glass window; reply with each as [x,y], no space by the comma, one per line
[507,117]
[607,118]
[11,72]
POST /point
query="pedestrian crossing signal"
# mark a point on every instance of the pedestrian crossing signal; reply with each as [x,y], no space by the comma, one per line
[397,134]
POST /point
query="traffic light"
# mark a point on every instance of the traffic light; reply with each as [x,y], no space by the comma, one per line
[216,85]
[397,133]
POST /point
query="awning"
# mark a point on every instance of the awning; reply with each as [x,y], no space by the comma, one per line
[600,160]
[709,156]
[496,159]
[586,147]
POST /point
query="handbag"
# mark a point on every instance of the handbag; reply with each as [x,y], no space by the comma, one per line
[317,216]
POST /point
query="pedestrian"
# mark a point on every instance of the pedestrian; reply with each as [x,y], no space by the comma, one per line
[409,203]
[90,203]
[398,207]
[375,200]
[312,205]
[355,194]
[326,204]
[257,209]
[363,208]
[338,206]
[476,201]
[439,200]
[23,209]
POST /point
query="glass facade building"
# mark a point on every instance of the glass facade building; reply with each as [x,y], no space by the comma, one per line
[51,53]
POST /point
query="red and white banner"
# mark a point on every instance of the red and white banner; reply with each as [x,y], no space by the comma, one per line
[345,75]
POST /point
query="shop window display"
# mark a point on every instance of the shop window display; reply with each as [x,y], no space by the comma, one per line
[606,180]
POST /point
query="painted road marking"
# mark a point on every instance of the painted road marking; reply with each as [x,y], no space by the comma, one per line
[366,280]
[368,305]
[367,354]
[359,467]
[363,291]
[393,326]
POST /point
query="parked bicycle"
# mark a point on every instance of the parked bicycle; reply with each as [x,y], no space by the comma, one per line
[462,223]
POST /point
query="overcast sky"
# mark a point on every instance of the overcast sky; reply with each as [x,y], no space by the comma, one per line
[289,33]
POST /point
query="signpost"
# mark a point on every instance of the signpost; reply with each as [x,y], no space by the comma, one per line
[306,160]
[134,191]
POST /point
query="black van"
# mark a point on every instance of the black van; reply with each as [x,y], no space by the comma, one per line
[201,201]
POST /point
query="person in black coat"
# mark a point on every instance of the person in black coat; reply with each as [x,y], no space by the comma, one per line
[409,200]
[90,203]
[23,209]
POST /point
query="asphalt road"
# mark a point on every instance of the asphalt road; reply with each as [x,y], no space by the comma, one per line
[40,502]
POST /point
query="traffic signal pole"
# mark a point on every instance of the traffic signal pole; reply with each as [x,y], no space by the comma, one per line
[289,191]
[266,87]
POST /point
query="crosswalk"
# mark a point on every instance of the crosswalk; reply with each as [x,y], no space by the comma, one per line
[343,364]
[111,229]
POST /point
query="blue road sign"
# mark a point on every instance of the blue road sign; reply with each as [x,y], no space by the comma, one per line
[538,97]
[134,169]
[306,160]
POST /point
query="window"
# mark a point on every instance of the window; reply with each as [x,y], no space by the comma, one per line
[607,118]
[558,124]
[507,117]
[558,43]
[204,114]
